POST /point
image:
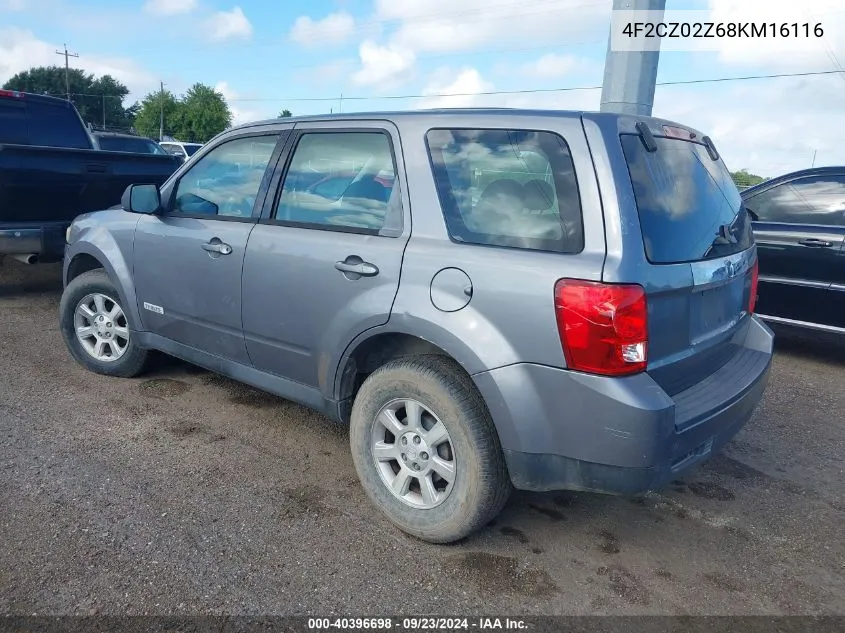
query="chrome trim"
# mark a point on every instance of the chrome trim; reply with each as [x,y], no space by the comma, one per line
[823,285]
[837,287]
[717,271]
[804,324]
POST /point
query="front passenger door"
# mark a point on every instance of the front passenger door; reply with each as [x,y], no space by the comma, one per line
[188,259]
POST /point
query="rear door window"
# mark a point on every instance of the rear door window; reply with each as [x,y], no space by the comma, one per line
[338,181]
[810,200]
[689,207]
[514,188]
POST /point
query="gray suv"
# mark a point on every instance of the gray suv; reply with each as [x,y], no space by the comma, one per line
[489,298]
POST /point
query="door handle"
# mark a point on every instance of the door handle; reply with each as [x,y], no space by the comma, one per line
[217,247]
[365,269]
[813,242]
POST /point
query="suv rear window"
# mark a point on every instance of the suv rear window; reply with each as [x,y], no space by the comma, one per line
[513,188]
[688,204]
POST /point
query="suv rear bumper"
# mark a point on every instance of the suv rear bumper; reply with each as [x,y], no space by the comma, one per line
[565,430]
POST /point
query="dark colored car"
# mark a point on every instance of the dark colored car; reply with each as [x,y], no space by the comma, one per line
[799,225]
[114,142]
[497,298]
[51,171]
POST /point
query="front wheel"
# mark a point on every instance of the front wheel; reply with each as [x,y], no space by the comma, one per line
[95,327]
[426,450]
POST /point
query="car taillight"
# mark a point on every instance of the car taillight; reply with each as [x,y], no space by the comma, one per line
[752,300]
[603,327]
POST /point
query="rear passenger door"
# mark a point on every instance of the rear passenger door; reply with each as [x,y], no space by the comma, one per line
[323,263]
[799,228]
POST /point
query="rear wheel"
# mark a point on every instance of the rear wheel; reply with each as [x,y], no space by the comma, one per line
[425,449]
[95,327]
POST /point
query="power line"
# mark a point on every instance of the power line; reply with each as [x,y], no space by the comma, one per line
[540,90]
[511,92]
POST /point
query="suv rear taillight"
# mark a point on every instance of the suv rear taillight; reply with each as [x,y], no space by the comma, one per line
[755,275]
[603,327]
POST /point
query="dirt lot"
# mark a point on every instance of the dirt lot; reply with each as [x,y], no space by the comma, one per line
[184,492]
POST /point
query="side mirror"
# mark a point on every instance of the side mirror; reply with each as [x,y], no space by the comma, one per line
[141,199]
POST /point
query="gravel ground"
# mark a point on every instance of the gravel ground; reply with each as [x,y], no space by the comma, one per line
[183,492]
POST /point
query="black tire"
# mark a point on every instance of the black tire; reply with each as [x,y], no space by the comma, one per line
[134,359]
[482,485]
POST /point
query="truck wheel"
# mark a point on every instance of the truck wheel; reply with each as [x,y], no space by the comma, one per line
[426,450]
[95,328]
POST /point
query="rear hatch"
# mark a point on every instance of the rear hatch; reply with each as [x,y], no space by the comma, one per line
[699,251]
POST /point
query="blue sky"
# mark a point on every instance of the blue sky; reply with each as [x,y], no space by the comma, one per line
[265,56]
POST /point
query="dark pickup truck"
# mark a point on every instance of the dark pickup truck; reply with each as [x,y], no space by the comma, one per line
[50,172]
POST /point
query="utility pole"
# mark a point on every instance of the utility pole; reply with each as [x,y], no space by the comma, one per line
[161,120]
[814,158]
[630,77]
[67,56]
[104,111]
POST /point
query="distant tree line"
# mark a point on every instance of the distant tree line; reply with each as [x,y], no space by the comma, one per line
[743,179]
[196,116]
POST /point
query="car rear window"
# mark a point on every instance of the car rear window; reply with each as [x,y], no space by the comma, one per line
[513,188]
[125,144]
[13,121]
[688,204]
[56,126]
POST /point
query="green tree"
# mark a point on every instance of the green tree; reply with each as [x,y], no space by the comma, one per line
[148,114]
[204,114]
[284,114]
[743,178]
[90,95]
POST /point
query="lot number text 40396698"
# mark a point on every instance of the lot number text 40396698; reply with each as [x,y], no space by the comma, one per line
[417,624]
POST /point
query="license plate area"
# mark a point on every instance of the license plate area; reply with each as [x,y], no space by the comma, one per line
[716,309]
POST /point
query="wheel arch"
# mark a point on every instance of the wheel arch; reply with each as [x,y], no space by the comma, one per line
[86,257]
[377,346]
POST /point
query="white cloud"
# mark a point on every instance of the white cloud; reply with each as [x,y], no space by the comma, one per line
[225,25]
[170,7]
[777,53]
[446,89]
[551,66]
[383,66]
[240,114]
[335,28]
[452,25]
[770,126]
[21,50]
[13,5]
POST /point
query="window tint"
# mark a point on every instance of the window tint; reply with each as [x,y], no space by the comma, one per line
[811,200]
[13,121]
[225,182]
[688,204]
[507,188]
[342,179]
[173,149]
[56,126]
[192,148]
[126,144]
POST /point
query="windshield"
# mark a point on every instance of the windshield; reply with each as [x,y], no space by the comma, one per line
[191,148]
[689,207]
[124,144]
